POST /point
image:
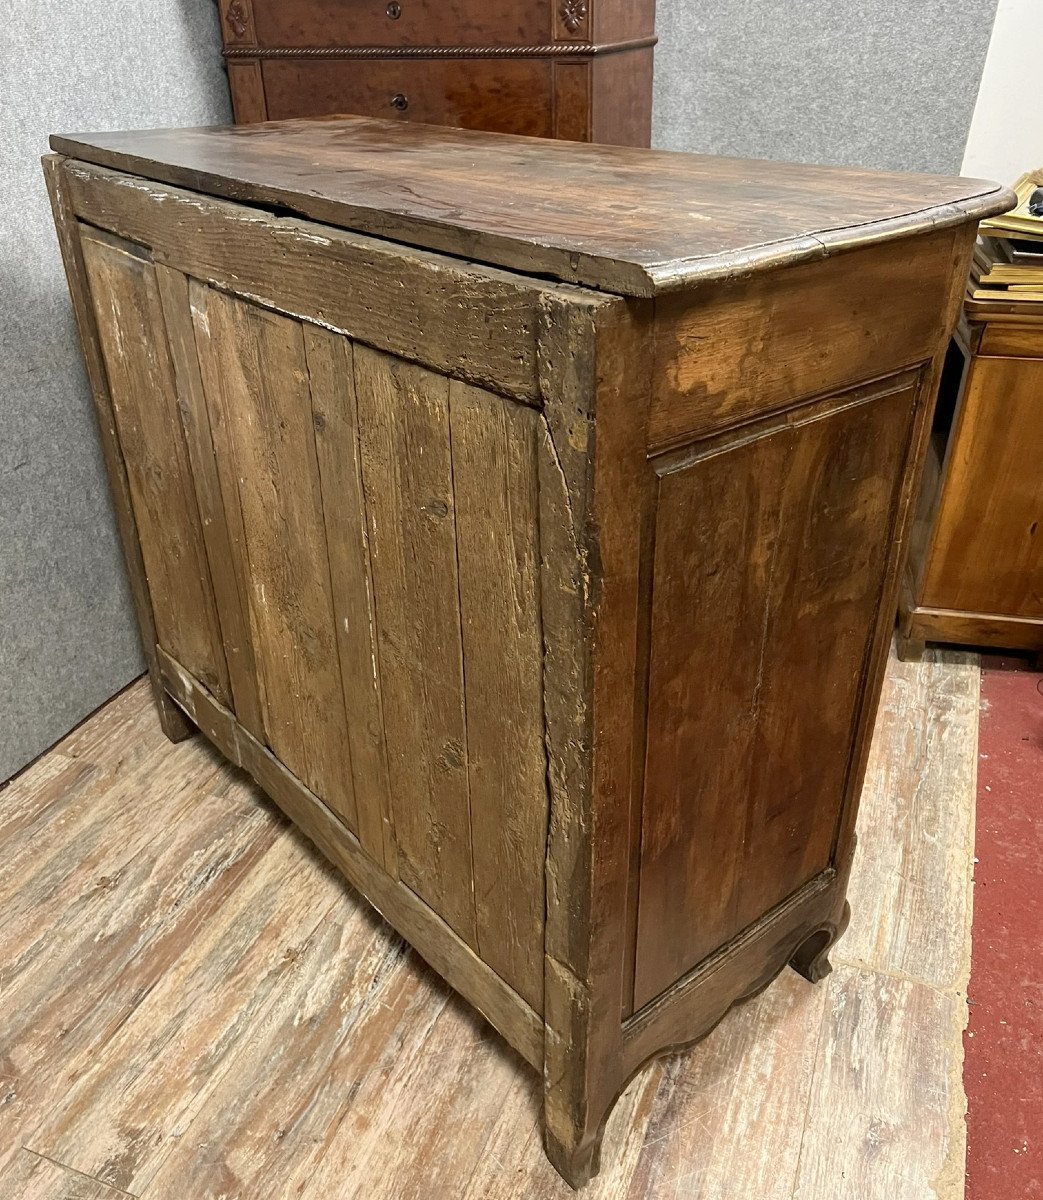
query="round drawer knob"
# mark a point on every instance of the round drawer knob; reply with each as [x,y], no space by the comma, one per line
[400,102]
[394,10]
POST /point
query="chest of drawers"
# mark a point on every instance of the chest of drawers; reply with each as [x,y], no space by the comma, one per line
[574,69]
[526,518]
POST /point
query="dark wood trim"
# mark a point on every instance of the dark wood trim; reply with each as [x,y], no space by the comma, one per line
[547,50]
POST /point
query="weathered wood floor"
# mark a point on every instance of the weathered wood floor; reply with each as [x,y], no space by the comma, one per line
[192,1006]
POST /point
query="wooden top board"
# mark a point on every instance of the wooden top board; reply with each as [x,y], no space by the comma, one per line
[626,220]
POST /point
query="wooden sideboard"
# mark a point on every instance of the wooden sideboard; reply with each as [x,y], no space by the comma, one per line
[974,575]
[574,69]
[538,558]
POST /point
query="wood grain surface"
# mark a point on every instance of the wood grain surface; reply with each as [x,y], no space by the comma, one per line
[773,740]
[257,383]
[626,220]
[298,267]
[133,342]
[986,555]
[512,610]
[208,1011]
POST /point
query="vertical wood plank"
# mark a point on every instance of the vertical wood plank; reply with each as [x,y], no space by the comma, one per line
[255,374]
[231,604]
[496,494]
[141,383]
[246,83]
[408,487]
[335,417]
[173,721]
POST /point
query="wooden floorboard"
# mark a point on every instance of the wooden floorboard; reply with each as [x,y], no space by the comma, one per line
[193,1006]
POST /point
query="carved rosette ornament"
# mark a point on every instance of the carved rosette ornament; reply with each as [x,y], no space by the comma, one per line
[573,15]
[237,18]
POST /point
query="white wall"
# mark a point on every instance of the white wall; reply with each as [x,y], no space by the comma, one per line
[871,83]
[67,635]
[1006,135]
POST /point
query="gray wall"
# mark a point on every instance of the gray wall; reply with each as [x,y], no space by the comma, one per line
[876,83]
[67,639]
[884,83]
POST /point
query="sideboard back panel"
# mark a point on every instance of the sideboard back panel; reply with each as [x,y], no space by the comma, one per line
[131,332]
[770,554]
[371,526]
[259,397]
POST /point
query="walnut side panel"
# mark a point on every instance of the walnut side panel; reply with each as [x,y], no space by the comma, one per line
[770,555]
[133,340]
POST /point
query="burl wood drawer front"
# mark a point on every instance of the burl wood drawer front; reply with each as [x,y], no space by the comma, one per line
[346,544]
[410,22]
[769,341]
[758,645]
[503,95]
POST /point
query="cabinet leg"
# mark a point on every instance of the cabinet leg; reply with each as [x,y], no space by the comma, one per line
[172,720]
[578,1161]
[909,649]
[812,957]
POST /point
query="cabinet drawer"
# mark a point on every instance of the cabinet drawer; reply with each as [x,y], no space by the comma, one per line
[501,95]
[398,22]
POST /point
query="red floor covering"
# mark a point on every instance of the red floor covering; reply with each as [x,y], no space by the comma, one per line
[1003,1070]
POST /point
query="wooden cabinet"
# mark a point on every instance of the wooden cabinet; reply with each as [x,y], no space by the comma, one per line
[574,69]
[527,520]
[975,572]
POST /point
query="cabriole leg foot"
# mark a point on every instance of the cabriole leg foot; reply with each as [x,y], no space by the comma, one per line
[812,957]
[576,1163]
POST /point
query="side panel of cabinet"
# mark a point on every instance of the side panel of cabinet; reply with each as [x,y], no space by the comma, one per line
[771,548]
[132,333]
